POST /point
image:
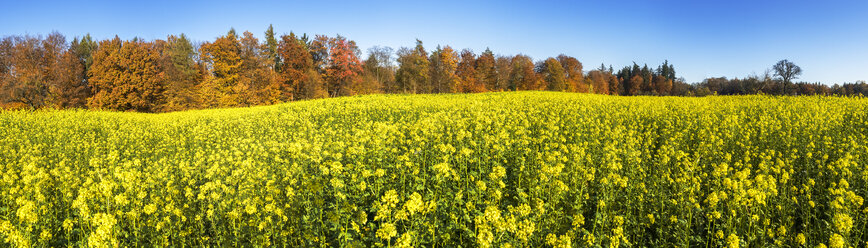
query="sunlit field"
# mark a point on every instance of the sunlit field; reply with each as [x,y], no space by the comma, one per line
[519,169]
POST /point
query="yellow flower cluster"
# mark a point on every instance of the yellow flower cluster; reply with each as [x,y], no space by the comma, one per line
[517,169]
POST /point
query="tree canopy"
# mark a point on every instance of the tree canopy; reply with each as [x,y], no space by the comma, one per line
[241,70]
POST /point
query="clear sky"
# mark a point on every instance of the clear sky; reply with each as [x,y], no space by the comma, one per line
[702,38]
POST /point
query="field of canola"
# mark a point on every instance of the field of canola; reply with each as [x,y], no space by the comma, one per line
[526,169]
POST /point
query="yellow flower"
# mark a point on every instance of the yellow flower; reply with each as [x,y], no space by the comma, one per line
[387,231]
[589,239]
[562,241]
[836,241]
[843,223]
[492,214]
[578,220]
[732,241]
[415,204]
[390,198]
[406,240]
[45,235]
[525,230]
[27,213]
[481,185]
[497,172]
[484,237]
[67,225]
[800,238]
[150,208]
[442,169]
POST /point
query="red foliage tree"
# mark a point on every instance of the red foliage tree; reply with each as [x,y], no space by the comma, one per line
[344,66]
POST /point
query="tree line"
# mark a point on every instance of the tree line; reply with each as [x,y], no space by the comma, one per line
[240,70]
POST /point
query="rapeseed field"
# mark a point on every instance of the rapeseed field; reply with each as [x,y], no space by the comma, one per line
[520,169]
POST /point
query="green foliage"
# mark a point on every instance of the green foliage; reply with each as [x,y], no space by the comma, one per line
[271,47]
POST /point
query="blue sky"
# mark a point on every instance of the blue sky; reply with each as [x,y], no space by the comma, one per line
[707,38]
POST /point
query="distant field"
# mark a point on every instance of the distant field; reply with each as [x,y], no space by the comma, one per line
[520,169]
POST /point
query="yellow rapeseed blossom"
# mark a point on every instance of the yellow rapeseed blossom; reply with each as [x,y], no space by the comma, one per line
[732,241]
[509,169]
[387,231]
[843,223]
[415,204]
[836,241]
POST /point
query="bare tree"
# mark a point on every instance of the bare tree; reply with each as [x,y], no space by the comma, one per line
[787,71]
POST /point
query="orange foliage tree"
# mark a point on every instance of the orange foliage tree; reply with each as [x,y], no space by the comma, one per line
[295,67]
[553,74]
[223,59]
[466,72]
[412,74]
[442,70]
[486,70]
[573,74]
[126,75]
[522,76]
[257,79]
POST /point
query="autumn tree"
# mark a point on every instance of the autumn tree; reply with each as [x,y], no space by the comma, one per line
[296,63]
[646,85]
[599,81]
[412,72]
[503,65]
[319,52]
[614,85]
[180,67]
[553,75]
[126,75]
[59,71]
[6,45]
[467,76]
[573,75]
[73,89]
[300,80]
[486,70]
[631,79]
[523,76]
[32,69]
[662,85]
[443,62]
[222,58]
[258,81]
[344,67]
[635,85]
[69,90]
